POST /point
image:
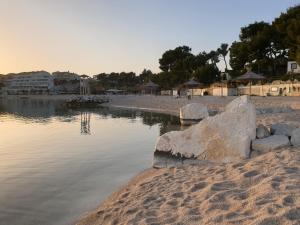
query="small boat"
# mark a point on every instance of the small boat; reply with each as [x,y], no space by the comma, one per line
[86,102]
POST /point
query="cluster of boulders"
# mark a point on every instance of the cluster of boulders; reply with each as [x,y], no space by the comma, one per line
[279,135]
[226,137]
[85,101]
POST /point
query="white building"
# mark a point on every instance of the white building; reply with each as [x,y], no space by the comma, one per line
[276,88]
[293,67]
[39,82]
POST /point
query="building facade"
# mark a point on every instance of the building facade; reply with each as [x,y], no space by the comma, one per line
[276,88]
[39,82]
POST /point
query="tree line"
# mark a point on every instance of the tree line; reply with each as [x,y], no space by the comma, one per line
[264,47]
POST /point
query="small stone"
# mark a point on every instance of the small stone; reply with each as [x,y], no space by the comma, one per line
[262,131]
[270,143]
[282,129]
[295,139]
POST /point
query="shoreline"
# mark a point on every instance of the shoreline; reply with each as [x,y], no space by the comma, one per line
[168,112]
[111,208]
[196,193]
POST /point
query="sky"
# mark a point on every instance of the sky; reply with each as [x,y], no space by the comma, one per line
[91,37]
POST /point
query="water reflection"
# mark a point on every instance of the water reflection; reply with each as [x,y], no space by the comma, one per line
[43,111]
[85,119]
[57,163]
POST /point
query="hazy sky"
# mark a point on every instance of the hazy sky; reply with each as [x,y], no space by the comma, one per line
[89,36]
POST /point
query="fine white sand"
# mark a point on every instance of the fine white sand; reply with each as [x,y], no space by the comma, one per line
[264,190]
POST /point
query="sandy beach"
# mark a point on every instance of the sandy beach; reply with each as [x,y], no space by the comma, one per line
[262,190]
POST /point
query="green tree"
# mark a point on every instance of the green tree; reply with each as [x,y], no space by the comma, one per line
[223,51]
[238,55]
[260,47]
[145,76]
[177,65]
[288,26]
[207,74]
[213,56]
[173,60]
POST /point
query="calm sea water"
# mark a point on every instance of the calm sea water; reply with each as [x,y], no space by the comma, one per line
[57,163]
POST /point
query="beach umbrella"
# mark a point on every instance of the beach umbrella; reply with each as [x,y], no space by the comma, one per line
[152,86]
[192,84]
[250,77]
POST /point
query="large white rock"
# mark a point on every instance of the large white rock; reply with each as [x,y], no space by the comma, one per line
[270,143]
[225,137]
[295,139]
[193,112]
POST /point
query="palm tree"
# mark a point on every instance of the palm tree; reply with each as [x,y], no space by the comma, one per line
[213,57]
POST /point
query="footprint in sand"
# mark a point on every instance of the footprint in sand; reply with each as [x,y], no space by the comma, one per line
[270,221]
[251,173]
[291,169]
[220,197]
[241,195]
[234,166]
[293,214]
[275,185]
[288,201]
[218,206]
[178,195]
[151,220]
[231,215]
[198,186]
[151,213]
[194,212]
[172,202]
[131,211]
[125,195]
[221,186]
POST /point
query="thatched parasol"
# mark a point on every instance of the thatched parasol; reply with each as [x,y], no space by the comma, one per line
[151,86]
[249,77]
[191,83]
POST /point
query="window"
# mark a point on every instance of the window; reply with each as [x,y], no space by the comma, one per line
[293,66]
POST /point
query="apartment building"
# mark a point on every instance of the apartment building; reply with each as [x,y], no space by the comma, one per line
[38,82]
